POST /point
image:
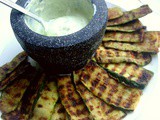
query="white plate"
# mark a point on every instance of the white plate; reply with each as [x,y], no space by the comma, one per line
[149,105]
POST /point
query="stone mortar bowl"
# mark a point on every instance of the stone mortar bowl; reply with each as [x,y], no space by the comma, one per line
[61,54]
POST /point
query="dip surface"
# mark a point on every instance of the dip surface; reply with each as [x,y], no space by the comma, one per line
[63,16]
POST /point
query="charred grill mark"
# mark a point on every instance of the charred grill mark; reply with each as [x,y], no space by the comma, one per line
[40,106]
[91,107]
[11,103]
[8,91]
[94,82]
[109,111]
[102,88]
[61,110]
[145,56]
[61,87]
[129,101]
[128,105]
[118,101]
[92,89]
[85,77]
[134,54]
[74,103]
[106,80]
[123,69]
[108,99]
[45,98]
[17,95]
[43,118]
[99,94]
[81,89]
[144,77]
[47,89]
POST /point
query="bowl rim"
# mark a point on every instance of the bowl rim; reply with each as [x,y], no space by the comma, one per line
[96,24]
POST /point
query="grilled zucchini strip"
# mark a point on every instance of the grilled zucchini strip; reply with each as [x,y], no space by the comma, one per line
[98,108]
[97,80]
[46,102]
[123,37]
[21,69]
[117,56]
[12,95]
[131,74]
[114,12]
[8,68]
[71,100]
[59,112]
[128,27]
[149,44]
[130,15]
[29,99]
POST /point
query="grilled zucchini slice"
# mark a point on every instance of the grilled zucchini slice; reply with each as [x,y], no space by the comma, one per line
[149,44]
[130,15]
[123,37]
[131,74]
[97,80]
[21,69]
[71,100]
[128,27]
[59,112]
[12,95]
[117,56]
[29,99]
[98,108]
[46,102]
[8,68]
[114,12]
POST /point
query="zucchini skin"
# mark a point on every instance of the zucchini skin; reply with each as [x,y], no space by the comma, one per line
[97,80]
[98,108]
[141,81]
[46,102]
[59,112]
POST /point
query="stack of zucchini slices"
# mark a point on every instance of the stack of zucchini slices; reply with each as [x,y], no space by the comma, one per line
[107,88]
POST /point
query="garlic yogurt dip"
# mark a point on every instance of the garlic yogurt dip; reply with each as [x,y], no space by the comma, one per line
[63,16]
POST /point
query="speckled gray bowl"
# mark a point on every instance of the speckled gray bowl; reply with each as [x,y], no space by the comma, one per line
[65,53]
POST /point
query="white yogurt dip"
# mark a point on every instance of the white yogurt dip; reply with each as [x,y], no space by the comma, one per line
[63,16]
